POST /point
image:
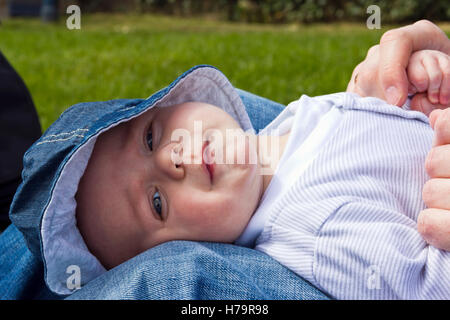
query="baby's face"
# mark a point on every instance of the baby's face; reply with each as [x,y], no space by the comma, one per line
[133,195]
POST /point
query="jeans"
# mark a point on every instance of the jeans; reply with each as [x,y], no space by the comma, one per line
[174,270]
[21,273]
[199,270]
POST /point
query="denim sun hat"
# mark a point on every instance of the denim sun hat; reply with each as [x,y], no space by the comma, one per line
[43,208]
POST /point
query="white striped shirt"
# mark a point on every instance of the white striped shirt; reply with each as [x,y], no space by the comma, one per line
[341,209]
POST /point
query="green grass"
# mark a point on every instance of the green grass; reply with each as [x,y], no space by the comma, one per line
[132,56]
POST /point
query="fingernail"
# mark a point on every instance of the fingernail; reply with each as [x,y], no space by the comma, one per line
[392,95]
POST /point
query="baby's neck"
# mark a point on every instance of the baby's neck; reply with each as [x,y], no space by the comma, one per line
[270,149]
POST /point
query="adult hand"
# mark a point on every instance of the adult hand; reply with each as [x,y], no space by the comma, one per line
[434,222]
[383,73]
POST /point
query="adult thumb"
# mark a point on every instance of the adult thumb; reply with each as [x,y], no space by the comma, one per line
[394,82]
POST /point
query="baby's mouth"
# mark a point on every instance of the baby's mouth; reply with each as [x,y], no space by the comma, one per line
[208,160]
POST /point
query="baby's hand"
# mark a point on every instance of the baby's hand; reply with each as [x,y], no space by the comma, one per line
[429,71]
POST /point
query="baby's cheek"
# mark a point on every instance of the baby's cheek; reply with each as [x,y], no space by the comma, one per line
[200,214]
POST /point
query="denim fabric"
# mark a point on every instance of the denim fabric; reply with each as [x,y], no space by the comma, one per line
[48,156]
[199,270]
[22,274]
[260,110]
[42,165]
[215,270]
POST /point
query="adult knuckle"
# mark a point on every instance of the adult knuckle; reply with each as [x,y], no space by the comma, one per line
[424,23]
[424,226]
[428,193]
[373,49]
[391,71]
[364,77]
[429,26]
[359,67]
[445,119]
[442,122]
[391,35]
[430,163]
[434,30]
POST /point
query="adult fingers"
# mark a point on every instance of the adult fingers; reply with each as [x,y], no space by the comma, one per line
[365,75]
[351,87]
[433,116]
[441,128]
[435,193]
[396,46]
[437,163]
[434,226]
[392,73]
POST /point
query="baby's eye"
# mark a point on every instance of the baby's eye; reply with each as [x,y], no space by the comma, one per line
[150,139]
[157,204]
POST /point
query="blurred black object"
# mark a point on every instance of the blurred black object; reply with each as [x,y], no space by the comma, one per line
[19,128]
[49,10]
[24,8]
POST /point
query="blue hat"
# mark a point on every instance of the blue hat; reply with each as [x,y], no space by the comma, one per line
[43,208]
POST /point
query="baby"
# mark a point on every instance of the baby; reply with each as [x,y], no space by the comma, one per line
[142,198]
[339,206]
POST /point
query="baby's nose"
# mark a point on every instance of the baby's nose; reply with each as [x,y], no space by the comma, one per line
[177,154]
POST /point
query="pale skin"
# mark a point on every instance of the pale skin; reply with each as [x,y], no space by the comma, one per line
[116,199]
[434,222]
